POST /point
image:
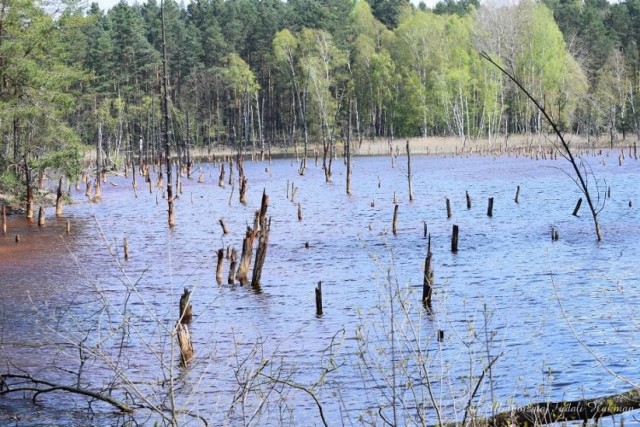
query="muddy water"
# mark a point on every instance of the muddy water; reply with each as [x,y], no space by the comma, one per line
[509,292]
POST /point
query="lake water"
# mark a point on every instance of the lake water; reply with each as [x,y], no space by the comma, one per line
[560,316]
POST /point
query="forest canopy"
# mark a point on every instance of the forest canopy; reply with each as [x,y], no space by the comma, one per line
[245,73]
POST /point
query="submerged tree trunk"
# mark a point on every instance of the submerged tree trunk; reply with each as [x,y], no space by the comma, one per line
[165,120]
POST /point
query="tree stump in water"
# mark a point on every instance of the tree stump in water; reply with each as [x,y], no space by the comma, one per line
[184,341]
[490,207]
[454,239]
[232,267]
[126,249]
[243,190]
[219,266]
[394,225]
[224,226]
[41,217]
[186,309]
[318,292]
[427,280]
[299,212]
[221,177]
[448,208]
[468,199]
[261,253]
[577,208]
[517,199]
[59,199]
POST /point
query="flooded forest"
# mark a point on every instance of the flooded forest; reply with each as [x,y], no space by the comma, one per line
[319,212]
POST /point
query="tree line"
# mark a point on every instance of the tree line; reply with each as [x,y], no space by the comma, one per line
[253,73]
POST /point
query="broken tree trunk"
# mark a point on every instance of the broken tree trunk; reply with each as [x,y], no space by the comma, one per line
[261,252]
[243,189]
[186,310]
[41,217]
[427,282]
[245,258]
[232,266]
[319,299]
[184,341]
[394,225]
[59,199]
[219,266]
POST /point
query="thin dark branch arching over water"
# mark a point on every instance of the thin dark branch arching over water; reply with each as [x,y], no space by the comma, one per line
[565,149]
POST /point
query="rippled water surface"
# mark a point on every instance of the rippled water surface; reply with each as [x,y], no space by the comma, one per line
[559,316]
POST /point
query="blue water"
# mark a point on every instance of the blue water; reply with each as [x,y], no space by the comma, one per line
[560,316]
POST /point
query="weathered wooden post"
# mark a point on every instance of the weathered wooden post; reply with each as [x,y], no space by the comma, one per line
[577,208]
[517,199]
[232,267]
[225,230]
[448,208]
[454,239]
[243,190]
[490,207]
[409,172]
[299,212]
[41,218]
[185,344]
[59,199]
[468,199]
[186,310]
[319,299]
[427,281]
[126,249]
[394,225]
[261,252]
[219,266]
[221,177]
[68,226]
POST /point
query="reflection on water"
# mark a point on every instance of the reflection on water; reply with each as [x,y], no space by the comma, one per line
[499,295]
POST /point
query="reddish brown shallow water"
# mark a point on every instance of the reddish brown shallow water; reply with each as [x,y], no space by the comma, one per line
[55,287]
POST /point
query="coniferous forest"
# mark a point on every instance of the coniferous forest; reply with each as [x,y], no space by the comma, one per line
[258,73]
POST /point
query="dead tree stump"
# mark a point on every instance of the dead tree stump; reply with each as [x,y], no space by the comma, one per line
[59,199]
[490,207]
[427,281]
[41,218]
[219,266]
[243,189]
[221,177]
[261,252]
[468,199]
[517,199]
[232,267]
[225,230]
[454,239]
[126,249]
[577,208]
[299,212]
[186,310]
[185,344]
[319,299]
[394,225]
[448,208]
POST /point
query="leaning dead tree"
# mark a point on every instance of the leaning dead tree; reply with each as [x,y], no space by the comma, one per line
[565,149]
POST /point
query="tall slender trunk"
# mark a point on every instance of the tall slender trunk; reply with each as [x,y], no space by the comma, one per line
[165,119]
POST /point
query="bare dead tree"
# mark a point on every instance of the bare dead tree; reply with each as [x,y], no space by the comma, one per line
[578,165]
